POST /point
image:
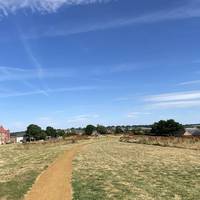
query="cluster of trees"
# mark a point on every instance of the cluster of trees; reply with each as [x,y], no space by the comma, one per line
[161,128]
[90,129]
[35,132]
[167,128]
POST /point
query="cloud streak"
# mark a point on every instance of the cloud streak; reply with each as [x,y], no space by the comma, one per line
[179,96]
[190,82]
[48,91]
[19,74]
[175,100]
[11,6]
[190,9]
[176,104]
[137,114]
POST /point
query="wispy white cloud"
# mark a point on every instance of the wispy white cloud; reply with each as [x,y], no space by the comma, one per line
[41,73]
[137,114]
[48,91]
[129,97]
[14,73]
[11,6]
[32,57]
[174,100]
[189,9]
[190,82]
[176,104]
[179,96]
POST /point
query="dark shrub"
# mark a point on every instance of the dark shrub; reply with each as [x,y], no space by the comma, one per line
[118,130]
[35,132]
[102,130]
[89,129]
[167,128]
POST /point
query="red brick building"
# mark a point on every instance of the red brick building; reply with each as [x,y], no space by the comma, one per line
[4,135]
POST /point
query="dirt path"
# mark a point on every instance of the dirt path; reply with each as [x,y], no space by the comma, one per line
[55,182]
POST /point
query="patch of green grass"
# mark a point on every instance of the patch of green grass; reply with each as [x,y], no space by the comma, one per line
[86,189]
[17,187]
[113,170]
[20,164]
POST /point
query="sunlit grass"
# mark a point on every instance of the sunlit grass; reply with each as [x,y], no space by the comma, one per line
[20,164]
[114,170]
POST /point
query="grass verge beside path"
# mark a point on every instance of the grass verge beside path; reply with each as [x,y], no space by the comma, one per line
[21,164]
[110,169]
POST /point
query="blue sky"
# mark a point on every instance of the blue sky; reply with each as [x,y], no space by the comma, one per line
[69,63]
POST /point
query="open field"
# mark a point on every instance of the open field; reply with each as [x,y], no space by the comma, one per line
[178,142]
[104,168]
[21,164]
[115,170]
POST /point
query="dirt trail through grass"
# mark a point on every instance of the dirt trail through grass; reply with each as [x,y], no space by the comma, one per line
[55,182]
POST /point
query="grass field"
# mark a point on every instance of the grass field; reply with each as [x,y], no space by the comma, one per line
[192,143]
[21,164]
[106,169]
[110,169]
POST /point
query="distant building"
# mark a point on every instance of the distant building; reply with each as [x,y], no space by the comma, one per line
[4,135]
[18,137]
[75,131]
[192,132]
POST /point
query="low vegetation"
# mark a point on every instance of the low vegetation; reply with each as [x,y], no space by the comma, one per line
[135,166]
[179,142]
[20,164]
[35,132]
[167,128]
[114,170]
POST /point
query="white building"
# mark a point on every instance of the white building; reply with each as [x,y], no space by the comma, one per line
[19,139]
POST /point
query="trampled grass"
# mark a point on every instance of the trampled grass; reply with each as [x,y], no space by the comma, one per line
[21,164]
[110,169]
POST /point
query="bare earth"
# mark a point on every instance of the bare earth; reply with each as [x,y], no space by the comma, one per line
[55,182]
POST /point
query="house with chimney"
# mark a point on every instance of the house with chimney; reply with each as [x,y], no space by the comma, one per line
[4,135]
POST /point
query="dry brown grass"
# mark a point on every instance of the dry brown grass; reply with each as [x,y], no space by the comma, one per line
[21,163]
[179,142]
[110,169]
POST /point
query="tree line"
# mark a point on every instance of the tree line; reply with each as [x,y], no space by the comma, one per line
[161,128]
[35,132]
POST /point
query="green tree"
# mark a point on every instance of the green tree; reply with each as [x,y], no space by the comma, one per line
[89,129]
[167,128]
[42,135]
[60,132]
[33,131]
[50,131]
[118,130]
[101,129]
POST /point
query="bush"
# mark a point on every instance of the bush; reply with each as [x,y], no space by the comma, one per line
[60,132]
[167,128]
[89,129]
[118,130]
[138,131]
[102,130]
[34,131]
[50,131]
